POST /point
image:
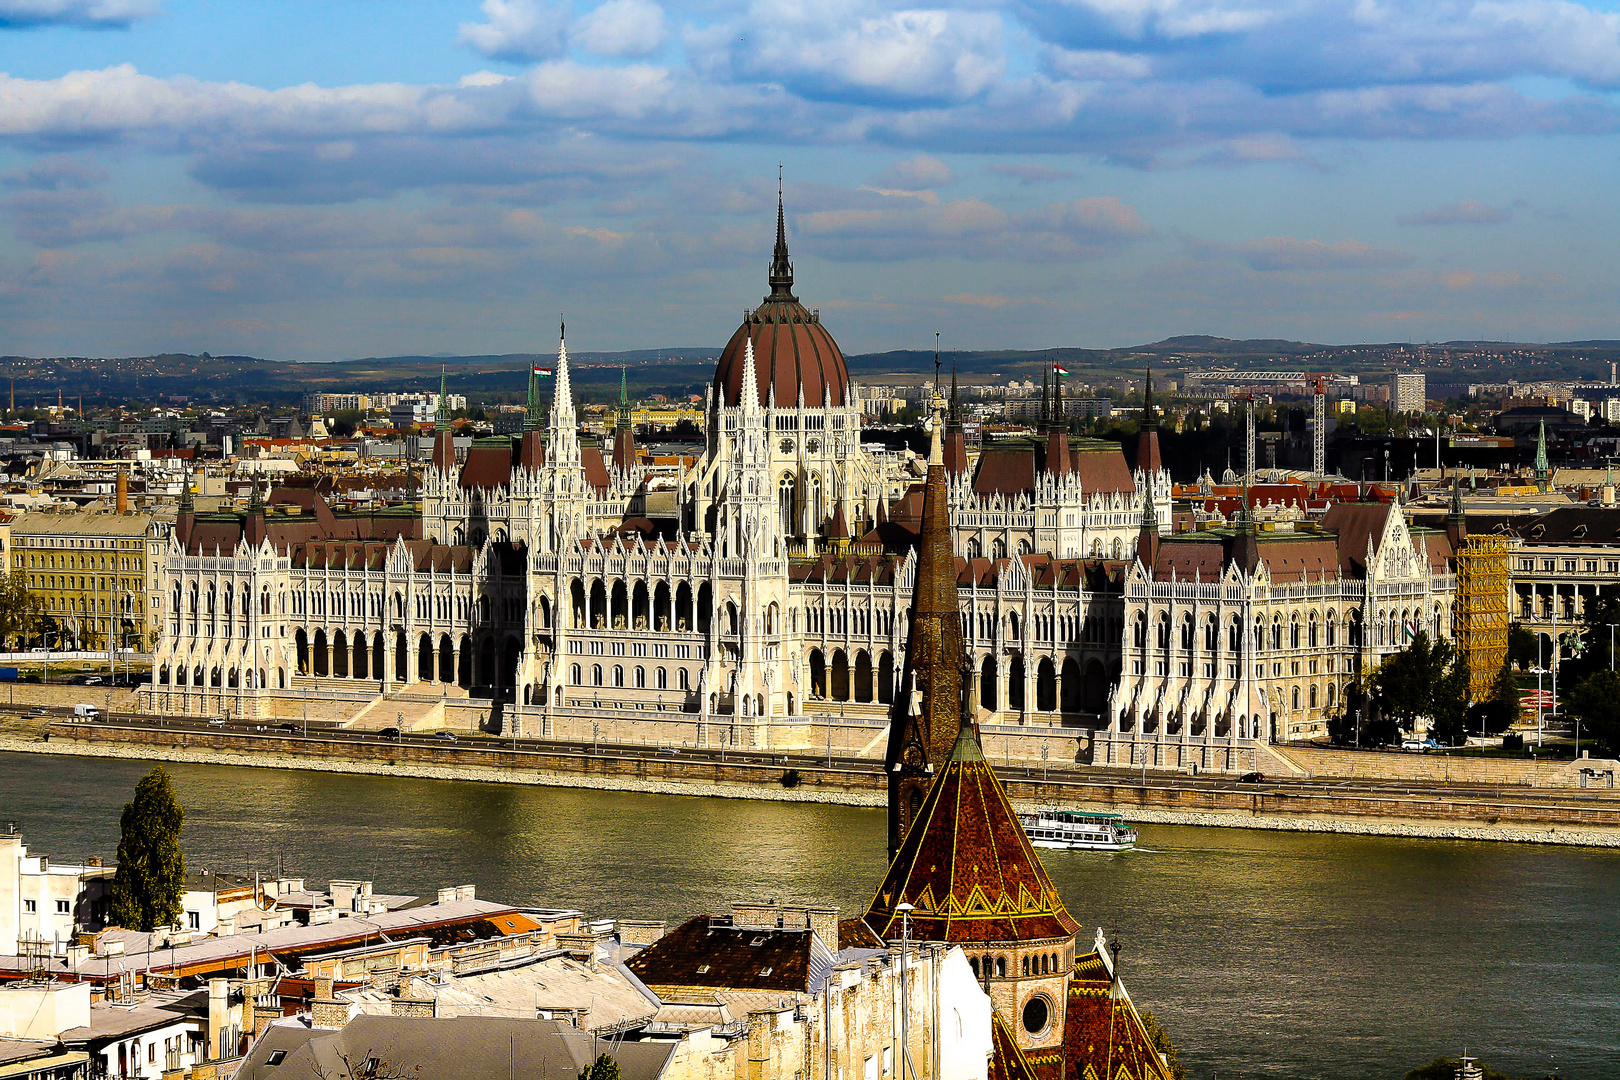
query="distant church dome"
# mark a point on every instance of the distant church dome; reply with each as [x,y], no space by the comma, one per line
[792,350]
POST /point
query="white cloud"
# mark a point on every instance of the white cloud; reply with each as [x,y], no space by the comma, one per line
[518,30]
[622,28]
[918,173]
[85,13]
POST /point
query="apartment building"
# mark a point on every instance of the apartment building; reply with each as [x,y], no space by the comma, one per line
[96,573]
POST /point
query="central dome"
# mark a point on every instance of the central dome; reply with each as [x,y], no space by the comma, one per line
[792,350]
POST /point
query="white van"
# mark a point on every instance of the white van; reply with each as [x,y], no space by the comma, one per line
[85,713]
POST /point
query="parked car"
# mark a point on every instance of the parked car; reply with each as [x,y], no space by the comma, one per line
[445,736]
[1412,744]
[1251,778]
[388,733]
[294,728]
[85,712]
[39,710]
[216,721]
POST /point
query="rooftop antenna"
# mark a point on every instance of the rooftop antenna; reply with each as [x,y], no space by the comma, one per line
[936,361]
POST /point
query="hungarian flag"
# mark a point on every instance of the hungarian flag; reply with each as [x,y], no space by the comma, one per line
[1410,626]
[543,372]
[1060,369]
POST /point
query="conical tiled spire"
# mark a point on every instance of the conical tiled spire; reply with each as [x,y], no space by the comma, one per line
[923,721]
[966,866]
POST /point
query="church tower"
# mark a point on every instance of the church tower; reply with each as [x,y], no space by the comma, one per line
[923,722]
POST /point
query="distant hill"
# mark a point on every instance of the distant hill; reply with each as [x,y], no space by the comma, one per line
[493,378]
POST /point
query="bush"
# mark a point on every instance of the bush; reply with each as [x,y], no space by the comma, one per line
[791,778]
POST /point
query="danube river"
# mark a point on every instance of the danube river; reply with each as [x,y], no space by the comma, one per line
[1265,954]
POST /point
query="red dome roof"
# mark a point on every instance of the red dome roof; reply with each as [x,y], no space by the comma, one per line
[792,350]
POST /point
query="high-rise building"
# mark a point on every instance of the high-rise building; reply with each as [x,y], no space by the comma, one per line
[1408,393]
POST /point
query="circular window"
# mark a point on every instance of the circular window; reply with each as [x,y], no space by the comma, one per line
[814,446]
[1036,1015]
[787,446]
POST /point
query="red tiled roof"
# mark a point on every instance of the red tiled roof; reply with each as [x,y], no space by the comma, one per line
[966,866]
[1102,1033]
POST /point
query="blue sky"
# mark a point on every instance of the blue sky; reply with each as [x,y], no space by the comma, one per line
[318,180]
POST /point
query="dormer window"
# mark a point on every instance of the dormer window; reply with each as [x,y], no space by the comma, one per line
[764,971]
[703,969]
[757,941]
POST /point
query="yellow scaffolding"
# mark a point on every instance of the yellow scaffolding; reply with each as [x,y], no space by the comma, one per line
[1482,607]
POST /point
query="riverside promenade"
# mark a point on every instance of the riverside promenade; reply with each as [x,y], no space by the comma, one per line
[1438,801]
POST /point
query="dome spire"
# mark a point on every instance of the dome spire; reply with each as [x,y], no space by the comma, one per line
[781,269]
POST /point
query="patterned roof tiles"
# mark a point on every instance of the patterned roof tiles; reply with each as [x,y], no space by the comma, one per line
[966,866]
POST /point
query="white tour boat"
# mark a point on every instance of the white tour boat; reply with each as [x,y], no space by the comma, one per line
[1078,829]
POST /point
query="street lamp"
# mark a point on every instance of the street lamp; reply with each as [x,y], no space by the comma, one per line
[905,911]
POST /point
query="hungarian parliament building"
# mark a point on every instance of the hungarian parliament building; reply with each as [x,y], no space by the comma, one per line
[768,587]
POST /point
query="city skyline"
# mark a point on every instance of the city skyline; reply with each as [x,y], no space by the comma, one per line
[314,182]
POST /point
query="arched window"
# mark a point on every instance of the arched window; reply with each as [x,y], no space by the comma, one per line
[618,675]
[641,677]
[1312,634]
[1293,632]
[596,674]
[663,679]
[573,675]
[1186,633]
[1139,632]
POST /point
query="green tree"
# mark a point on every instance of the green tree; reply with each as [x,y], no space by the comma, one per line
[603,1068]
[1596,701]
[1521,647]
[1449,708]
[1161,1043]
[1497,712]
[151,871]
[21,611]
[1594,636]
[1407,681]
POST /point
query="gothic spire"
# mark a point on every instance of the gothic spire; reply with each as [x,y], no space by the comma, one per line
[624,396]
[1542,471]
[925,717]
[1149,418]
[441,414]
[781,269]
[534,417]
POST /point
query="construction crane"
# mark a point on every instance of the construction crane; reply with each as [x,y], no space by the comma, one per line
[1318,382]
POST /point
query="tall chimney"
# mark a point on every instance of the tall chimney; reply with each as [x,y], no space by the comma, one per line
[123,491]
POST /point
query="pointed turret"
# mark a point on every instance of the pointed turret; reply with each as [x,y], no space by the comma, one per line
[253,529]
[444,447]
[624,434]
[562,432]
[532,442]
[1058,461]
[924,720]
[1147,535]
[1148,459]
[186,514]
[1543,473]
[781,268]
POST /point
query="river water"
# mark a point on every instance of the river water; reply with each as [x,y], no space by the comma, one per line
[1264,954]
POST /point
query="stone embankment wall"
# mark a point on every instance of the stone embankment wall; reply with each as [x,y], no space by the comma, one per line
[1590,820]
[1435,767]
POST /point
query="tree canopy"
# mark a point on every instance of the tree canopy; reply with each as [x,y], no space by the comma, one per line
[1426,679]
[603,1068]
[151,874]
[1595,700]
